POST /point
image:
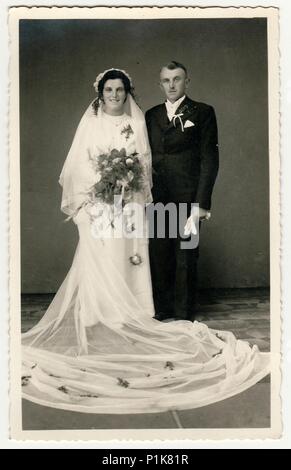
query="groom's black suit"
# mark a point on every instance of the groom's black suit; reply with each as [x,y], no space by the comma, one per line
[185,166]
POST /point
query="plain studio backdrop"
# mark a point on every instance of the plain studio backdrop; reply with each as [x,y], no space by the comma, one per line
[227,63]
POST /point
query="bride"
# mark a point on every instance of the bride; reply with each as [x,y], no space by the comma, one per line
[98,348]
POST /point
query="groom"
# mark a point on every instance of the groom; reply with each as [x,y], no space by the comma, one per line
[183,139]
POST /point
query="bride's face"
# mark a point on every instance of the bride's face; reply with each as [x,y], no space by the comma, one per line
[114,96]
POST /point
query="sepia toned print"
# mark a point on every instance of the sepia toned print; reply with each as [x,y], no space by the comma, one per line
[140,335]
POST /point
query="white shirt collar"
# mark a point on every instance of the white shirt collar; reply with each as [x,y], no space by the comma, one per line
[172,107]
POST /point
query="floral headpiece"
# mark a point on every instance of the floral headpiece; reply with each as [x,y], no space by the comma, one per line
[101,75]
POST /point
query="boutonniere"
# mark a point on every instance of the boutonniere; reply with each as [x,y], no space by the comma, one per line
[127,130]
[183,109]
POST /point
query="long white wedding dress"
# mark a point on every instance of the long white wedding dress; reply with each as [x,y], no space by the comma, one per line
[98,349]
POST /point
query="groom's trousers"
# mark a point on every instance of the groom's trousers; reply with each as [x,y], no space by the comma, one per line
[173,270]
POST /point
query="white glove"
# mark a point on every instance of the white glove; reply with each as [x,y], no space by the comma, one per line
[190,226]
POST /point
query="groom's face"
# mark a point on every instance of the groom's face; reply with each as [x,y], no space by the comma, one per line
[173,83]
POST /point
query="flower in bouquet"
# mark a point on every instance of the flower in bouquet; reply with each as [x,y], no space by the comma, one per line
[120,175]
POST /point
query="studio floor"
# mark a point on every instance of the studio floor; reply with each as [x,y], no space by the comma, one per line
[245,312]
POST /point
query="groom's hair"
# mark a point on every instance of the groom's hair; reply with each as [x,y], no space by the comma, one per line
[174,65]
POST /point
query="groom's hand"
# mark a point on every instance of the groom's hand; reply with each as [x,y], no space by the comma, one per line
[192,221]
[203,214]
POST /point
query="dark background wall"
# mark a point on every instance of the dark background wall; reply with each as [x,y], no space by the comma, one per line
[227,62]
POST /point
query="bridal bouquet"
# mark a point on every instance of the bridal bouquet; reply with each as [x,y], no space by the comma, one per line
[120,175]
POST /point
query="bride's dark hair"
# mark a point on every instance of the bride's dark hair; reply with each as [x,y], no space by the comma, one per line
[112,75]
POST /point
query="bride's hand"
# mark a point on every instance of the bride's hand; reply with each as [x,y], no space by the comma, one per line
[80,216]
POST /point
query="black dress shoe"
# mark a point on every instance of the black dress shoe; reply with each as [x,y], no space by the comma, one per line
[191,317]
[181,316]
[158,316]
[161,316]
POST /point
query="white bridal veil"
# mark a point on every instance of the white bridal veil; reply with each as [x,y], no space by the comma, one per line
[77,176]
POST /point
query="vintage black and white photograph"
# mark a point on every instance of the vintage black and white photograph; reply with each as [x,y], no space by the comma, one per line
[144,173]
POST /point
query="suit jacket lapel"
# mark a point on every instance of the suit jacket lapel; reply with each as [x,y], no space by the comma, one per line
[163,117]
